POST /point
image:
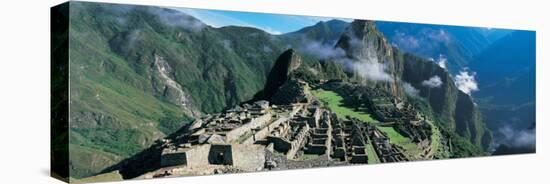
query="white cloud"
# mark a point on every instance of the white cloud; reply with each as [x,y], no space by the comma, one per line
[372,71]
[212,18]
[424,42]
[518,138]
[433,82]
[226,44]
[321,51]
[410,90]
[442,61]
[405,41]
[267,49]
[269,30]
[466,82]
[439,35]
[365,63]
[178,19]
[134,36]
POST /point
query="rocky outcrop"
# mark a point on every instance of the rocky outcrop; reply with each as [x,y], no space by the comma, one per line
[369,57]
[287,62]
[362,40]
[293,91]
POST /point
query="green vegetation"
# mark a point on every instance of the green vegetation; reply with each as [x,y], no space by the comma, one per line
[335,104]
[373,157]
[461,146]
[112,176]
[169,125]
[88,160]
[411,149]
[435,140]
[452,109]
[308,157]
[244,137]
[395,137]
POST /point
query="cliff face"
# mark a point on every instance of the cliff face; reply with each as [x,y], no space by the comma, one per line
[455,109]
[281,86]
[369,57]
[441,98]
[287,62]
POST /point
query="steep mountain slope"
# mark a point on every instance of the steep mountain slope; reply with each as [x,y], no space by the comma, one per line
[139,73]
[369,56]
[287,62]
[456,109]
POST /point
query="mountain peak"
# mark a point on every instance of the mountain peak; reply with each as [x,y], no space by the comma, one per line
[362,40]
[363,26]
[287,62]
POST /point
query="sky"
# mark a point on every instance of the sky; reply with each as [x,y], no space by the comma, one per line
[271,23]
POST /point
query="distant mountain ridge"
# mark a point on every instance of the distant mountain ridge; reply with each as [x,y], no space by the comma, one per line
[325,32]
[456,44]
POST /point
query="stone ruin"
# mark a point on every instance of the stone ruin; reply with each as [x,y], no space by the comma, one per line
[262,136]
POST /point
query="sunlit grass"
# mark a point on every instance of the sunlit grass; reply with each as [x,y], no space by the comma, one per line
[335,104]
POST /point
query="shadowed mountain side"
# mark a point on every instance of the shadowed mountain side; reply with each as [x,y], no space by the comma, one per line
[147,160]
[455,109]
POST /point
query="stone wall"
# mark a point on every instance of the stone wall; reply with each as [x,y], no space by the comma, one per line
[248,157]
[191,157]
[298,142]
[198,156]
[243,157]
[295,109]
[264,132]
[314,120]
[254,123]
